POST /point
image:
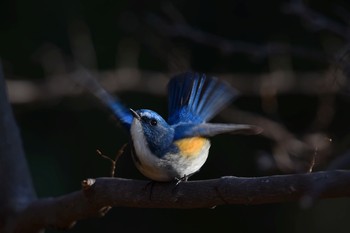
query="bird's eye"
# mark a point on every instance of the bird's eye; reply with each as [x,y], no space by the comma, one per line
[153,122]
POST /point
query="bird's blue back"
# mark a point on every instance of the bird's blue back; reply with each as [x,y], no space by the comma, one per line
[194,98]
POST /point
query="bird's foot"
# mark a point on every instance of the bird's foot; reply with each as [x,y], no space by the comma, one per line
[181,179]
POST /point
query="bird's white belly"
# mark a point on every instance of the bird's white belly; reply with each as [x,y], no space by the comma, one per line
[171,165]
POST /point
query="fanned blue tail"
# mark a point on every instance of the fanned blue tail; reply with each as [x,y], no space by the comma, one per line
[122,113]
[195,98]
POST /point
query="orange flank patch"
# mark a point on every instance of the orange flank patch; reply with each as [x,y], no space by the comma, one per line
[191,147]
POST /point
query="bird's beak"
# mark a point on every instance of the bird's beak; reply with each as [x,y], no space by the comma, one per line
[135,114]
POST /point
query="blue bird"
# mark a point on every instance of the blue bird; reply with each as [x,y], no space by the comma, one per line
[177,148]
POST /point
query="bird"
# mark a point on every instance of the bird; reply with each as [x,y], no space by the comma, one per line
[176,148]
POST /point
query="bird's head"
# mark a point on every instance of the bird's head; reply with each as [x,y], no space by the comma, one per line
[150,127]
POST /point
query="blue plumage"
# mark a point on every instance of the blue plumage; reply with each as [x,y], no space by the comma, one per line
[174,149]
[122,113]
[196,99]
[187,130]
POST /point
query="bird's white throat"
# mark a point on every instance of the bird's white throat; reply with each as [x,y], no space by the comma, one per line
[148,161]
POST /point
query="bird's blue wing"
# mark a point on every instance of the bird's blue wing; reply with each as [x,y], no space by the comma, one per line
[122,113]
[195,98]
[187,130]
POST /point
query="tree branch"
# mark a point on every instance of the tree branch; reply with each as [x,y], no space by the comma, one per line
[16,185]
[21,212]
[98,194]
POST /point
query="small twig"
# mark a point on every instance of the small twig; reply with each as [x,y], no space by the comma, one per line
[109,159]
[113,161]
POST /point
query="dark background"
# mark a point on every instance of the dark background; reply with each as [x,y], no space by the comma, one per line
[61,136]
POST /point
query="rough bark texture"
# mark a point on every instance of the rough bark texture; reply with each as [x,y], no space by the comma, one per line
[99,194]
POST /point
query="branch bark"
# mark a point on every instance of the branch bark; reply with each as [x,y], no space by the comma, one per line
[99,194]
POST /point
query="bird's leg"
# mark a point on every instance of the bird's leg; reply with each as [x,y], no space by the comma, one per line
[184,178]
[181,179]
[178,180]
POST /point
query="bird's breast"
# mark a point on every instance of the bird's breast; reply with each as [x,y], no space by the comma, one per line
[191,147]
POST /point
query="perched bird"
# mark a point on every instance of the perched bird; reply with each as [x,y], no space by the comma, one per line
[177,148]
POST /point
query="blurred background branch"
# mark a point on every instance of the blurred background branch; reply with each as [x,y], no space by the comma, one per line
[17,190]
[56,87]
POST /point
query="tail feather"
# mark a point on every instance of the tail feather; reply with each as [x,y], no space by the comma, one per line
[195,98]
[196,93]
[205,97]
